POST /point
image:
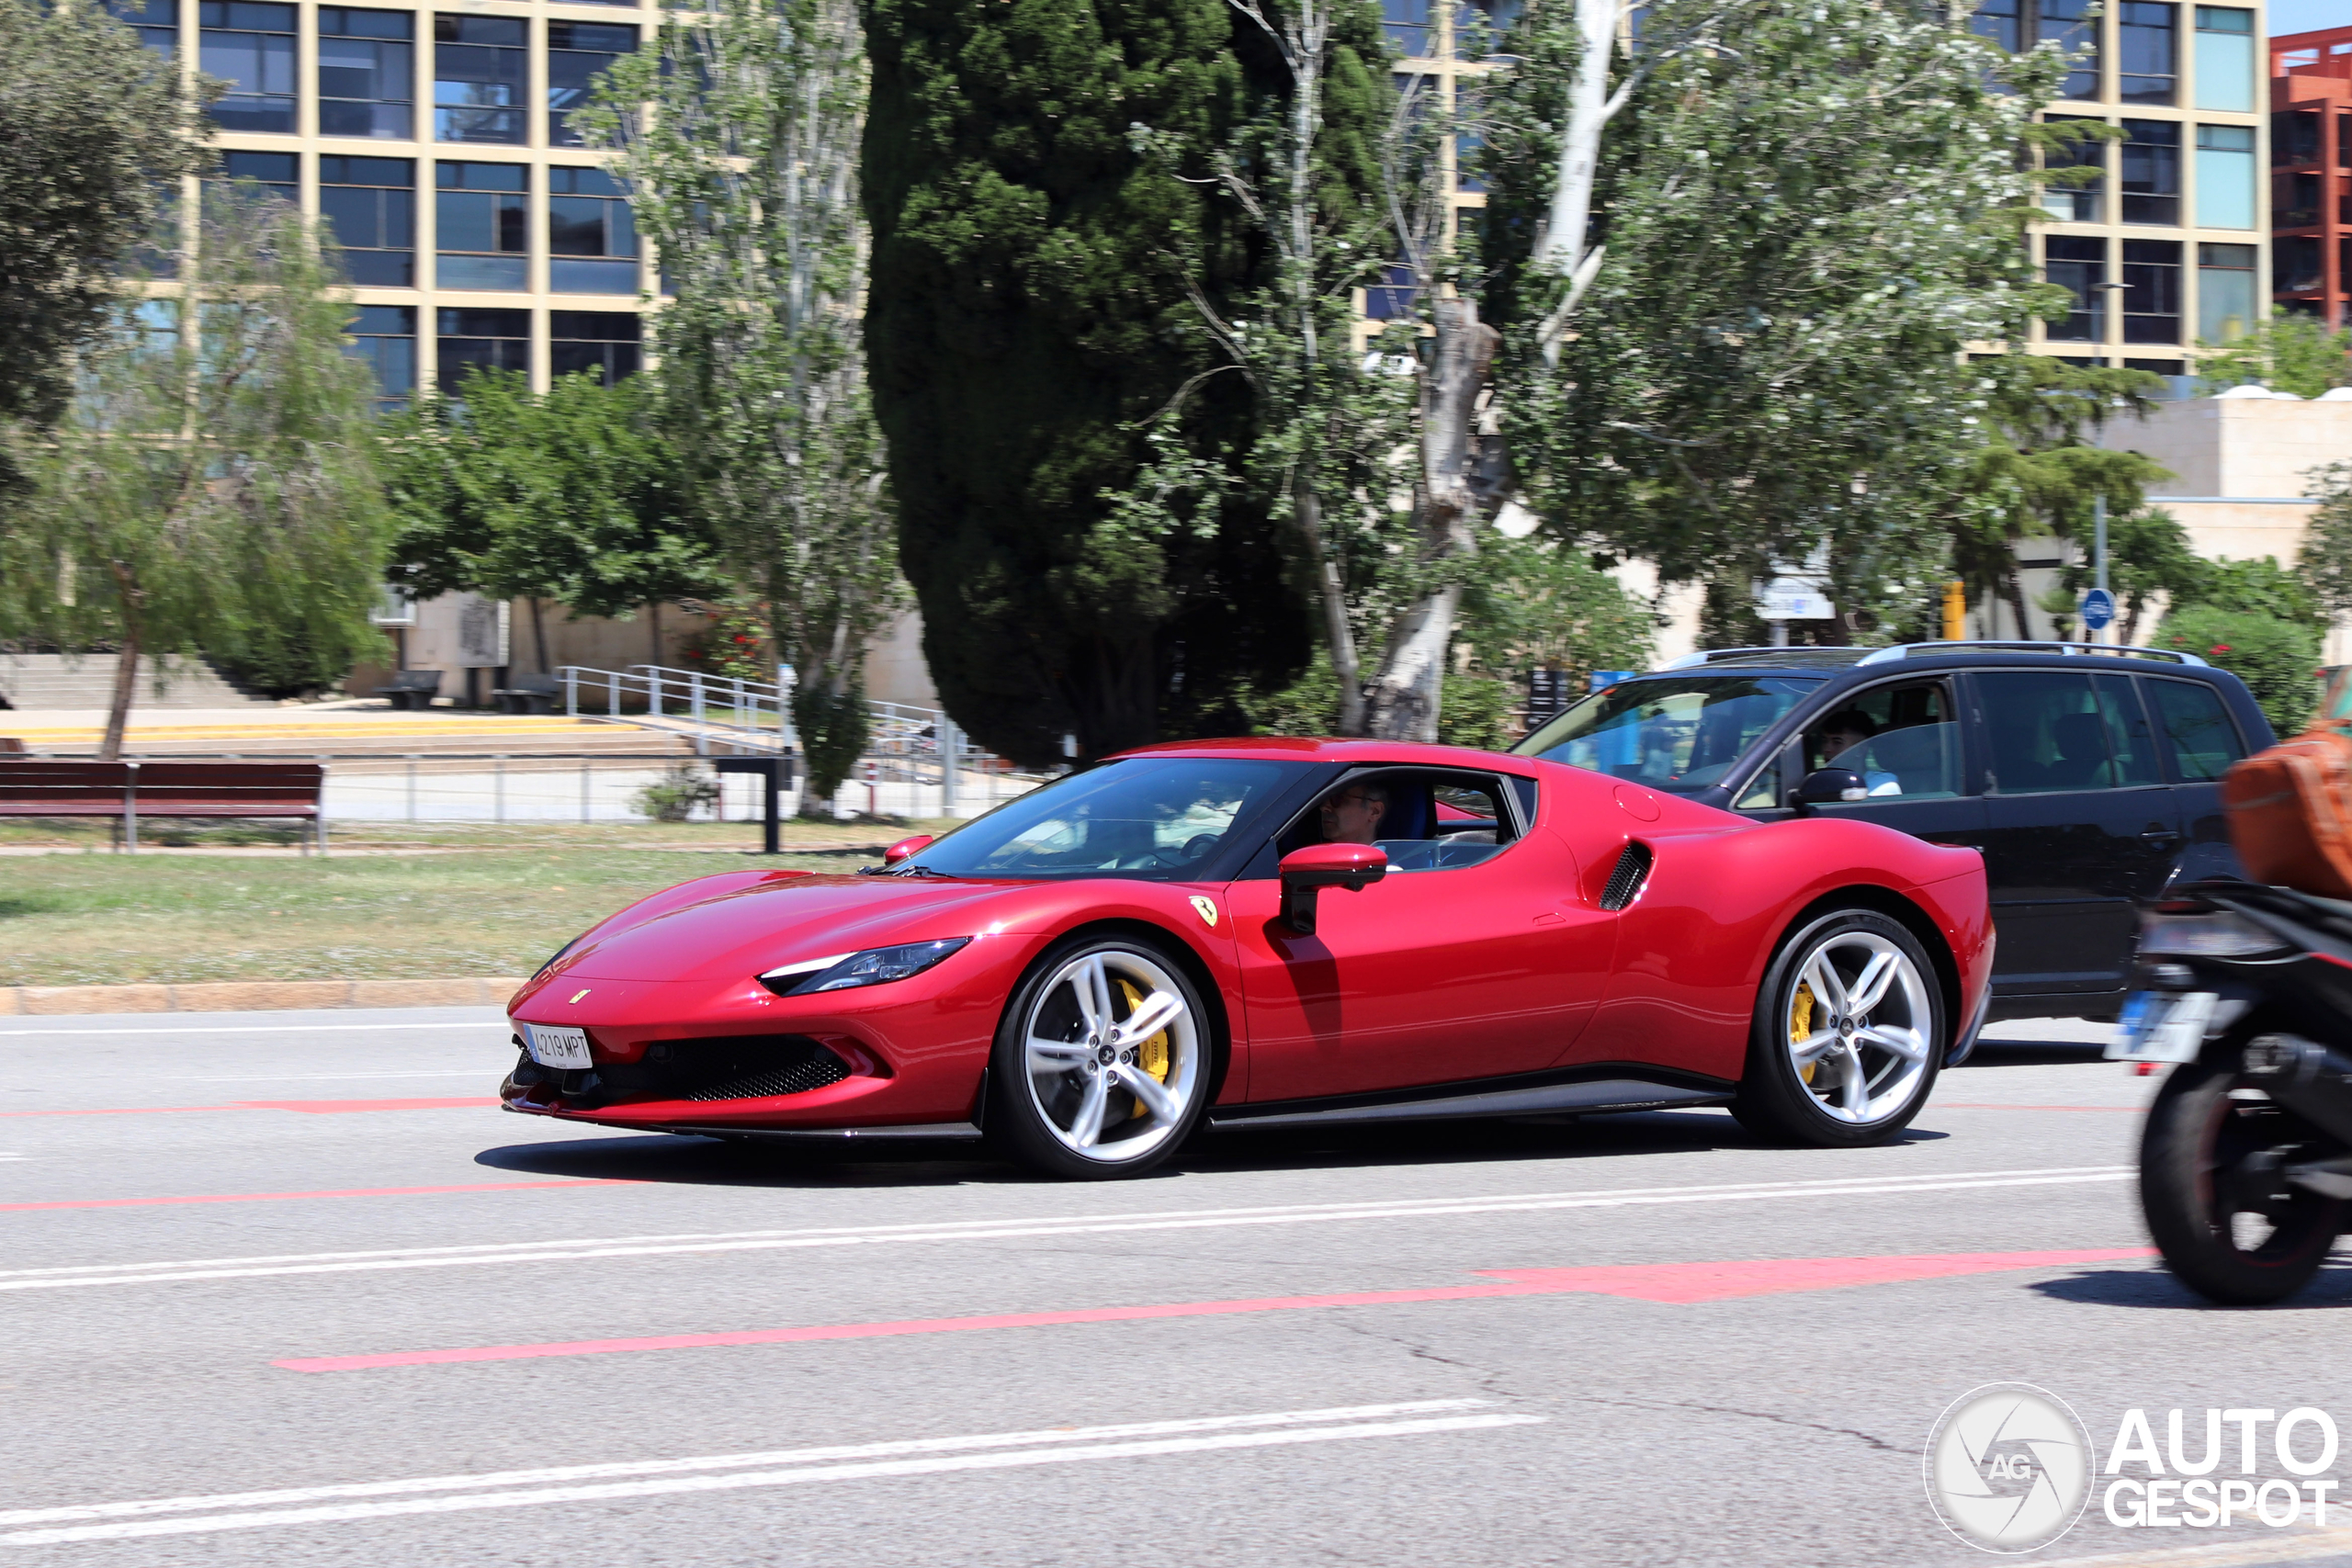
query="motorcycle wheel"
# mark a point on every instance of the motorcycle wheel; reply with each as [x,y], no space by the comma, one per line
[2228,1223]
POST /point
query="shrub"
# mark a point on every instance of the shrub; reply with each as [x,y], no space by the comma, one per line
[2277,659]
[683,789]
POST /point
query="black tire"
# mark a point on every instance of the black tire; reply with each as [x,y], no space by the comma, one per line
[1038,1108]
[2205,1158]
[1775,1099]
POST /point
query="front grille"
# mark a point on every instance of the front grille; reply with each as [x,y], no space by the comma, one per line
[747,1066]
[1633,869]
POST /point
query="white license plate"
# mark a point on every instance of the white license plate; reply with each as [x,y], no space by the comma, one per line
[552,1047]
[2155,1027]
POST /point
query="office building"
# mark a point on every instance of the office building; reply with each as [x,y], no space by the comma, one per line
[436,145]
[2163,249]
[2311,172]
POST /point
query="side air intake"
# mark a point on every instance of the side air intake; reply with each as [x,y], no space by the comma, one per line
[1625,882]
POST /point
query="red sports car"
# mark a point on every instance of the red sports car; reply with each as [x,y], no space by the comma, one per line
[1272,932]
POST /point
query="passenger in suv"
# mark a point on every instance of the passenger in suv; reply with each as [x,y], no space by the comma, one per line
[2088,775]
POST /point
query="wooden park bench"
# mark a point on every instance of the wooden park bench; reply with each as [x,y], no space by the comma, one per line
[412,689]
[46,787]
[532,693]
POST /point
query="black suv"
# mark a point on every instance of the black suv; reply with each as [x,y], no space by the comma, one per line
[2089,775]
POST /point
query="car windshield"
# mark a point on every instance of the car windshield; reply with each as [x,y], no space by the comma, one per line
[1150,817]
[1675,732]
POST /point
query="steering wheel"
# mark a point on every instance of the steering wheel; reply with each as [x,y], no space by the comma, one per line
[1195,848]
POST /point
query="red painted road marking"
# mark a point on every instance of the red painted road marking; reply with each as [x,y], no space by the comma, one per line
[1680,1283]
[339,1192]
[313,1107]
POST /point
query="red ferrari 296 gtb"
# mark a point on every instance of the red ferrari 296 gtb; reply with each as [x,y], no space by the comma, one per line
[1279,932]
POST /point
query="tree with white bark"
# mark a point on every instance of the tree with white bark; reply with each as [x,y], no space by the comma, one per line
[740,139]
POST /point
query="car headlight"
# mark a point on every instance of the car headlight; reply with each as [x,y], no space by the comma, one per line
[2217,935]
[848,971]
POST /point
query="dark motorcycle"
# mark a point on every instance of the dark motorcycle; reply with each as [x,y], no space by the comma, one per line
[2245,1163]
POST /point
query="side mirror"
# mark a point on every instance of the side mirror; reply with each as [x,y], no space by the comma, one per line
[1307,872]
[906,847]
[1827,786]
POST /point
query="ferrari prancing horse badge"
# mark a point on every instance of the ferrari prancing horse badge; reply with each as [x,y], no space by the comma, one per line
[1205,908]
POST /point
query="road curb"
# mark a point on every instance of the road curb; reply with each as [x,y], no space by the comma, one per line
[253,995]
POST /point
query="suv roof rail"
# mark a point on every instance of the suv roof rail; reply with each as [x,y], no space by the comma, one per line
[1923,650]
[1705,655]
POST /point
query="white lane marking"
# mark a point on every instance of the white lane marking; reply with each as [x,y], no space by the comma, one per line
[270,1266]
[317,1078]
[2297,1546]
[1061,1453]
[263,1028]
[545,1474]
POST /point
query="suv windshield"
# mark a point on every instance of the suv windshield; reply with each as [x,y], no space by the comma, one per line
[1160,818]
[1676,732]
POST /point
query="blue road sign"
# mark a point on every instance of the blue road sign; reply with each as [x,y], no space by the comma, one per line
[2098,608]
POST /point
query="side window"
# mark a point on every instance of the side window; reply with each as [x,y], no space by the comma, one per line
[2050,731]
[2197,734]
[2128,738]
[1427,822]
[1903,738]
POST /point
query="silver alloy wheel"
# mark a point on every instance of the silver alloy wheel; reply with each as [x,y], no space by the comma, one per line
[1114,1055]
[1858,1023]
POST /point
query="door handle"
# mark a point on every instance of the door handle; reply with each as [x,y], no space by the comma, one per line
[2156,834]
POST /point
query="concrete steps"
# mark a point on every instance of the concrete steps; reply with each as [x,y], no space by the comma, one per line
[54,681]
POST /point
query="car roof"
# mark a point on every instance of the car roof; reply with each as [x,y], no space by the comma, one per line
[1914,655]
[1311,749]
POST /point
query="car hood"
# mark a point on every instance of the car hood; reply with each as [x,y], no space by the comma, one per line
[740,931]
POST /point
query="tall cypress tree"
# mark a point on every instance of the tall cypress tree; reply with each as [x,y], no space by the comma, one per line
[1032,308]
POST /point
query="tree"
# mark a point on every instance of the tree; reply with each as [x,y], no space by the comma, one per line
[2034,472]
[2276,658]
[2287,351]
[739,136]
[95,132]
[212,487]
[2147,556]
[1734,323]
[2325,561]
[577,496]
[1039,278]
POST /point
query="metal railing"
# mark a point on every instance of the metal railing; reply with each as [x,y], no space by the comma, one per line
[917,761]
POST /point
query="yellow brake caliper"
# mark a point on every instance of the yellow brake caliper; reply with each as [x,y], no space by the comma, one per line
[1801,1023]
[1152,1054]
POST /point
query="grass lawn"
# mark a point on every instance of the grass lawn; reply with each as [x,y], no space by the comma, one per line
[499,908]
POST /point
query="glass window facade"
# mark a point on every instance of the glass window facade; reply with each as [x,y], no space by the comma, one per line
[577,54]
[157,22]
[2068,24]
[367,72]
[2151,182]
[276,173]
[2152,290]
[2147,39]
[2225,176]
[482,217]
[2225,59]
[1479,26]
[2078,264]
[2226,305]
[2076,203]
[370,206]
[1410,27]
[384,336]
[2295,263]
[250,45]
[592,238]
[470,340]
[479,69]
[602,343]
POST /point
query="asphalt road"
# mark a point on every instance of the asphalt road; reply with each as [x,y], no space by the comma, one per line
[287,1289]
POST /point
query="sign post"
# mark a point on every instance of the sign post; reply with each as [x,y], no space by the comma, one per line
[2099,550]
